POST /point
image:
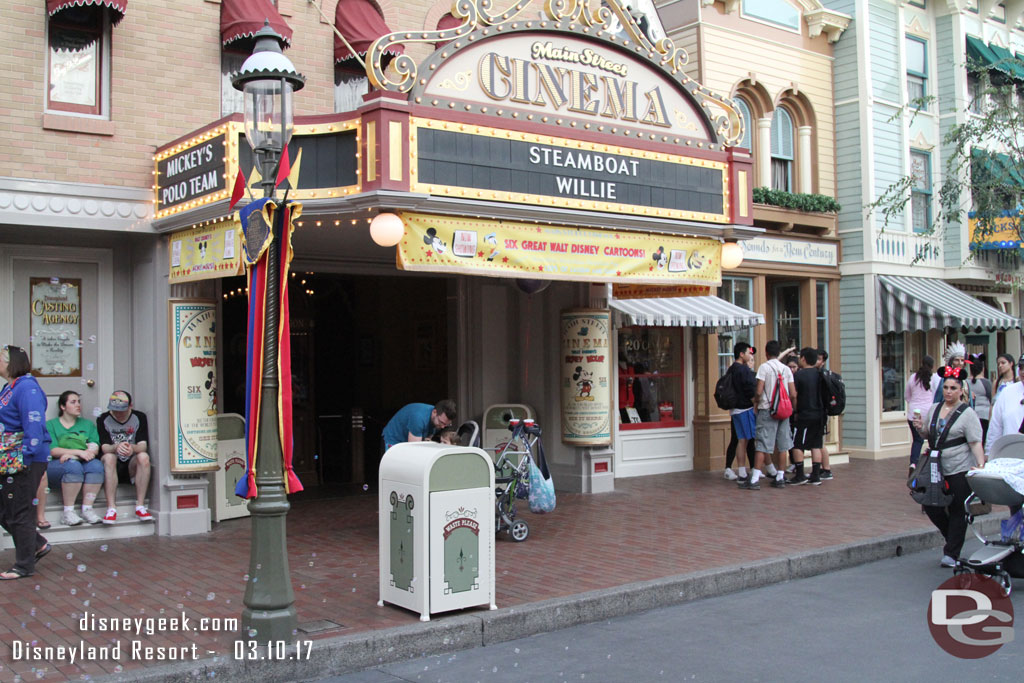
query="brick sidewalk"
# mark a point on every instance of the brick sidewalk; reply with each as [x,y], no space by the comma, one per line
[650,527]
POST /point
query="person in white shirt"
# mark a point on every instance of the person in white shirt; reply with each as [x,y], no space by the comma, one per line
[1007,413]
[771,434]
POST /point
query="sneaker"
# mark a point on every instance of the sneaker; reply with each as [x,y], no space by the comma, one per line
[778,483]
[730,475]
[826,474]
[947,561]
[910,472]
[110,517]
[748,486]
[142,514]
[70,518]
[91,517]
[740,481]
[814,480]
[798,480]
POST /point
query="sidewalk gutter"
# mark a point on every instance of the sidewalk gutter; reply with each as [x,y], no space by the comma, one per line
[445,634]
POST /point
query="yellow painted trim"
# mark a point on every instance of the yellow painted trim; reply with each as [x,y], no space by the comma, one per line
[371,151]
[395,166]
[741,193]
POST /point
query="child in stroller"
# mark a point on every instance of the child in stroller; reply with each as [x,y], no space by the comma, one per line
[1000,482]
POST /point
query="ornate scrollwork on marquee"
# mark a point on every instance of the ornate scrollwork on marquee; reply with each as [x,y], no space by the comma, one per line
[607,20]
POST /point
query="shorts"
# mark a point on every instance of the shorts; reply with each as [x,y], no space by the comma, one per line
[74,471]
[772,434]
[745,424]
[809,436]
[123,474]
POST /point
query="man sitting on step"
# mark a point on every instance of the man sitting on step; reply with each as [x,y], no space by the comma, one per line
[124,433]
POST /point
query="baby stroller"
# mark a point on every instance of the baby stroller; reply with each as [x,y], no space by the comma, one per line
[512,477]
[1002,558]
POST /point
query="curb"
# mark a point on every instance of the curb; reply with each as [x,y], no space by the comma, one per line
[445,634]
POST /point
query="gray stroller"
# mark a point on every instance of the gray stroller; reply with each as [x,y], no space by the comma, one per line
[1002,558]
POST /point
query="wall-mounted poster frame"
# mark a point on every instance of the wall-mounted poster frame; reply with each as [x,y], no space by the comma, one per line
[193,384]
[585,377]
[55,335]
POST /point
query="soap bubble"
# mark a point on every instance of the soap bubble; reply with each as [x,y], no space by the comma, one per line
[103,548]
[69,556]
[81,568]
[211,596]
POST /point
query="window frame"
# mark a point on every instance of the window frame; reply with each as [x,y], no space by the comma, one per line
[790,161]
[821,314]
[725,359]
[776,310]
[103,33]
[925,193]
[747,114]
[680,376]
[901,375]
[923,75]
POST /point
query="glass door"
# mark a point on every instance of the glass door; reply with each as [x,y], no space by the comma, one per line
[786,298]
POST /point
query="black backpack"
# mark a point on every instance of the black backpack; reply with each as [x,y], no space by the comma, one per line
[833,392]
[726,395]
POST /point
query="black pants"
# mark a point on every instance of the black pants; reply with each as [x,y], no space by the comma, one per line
[730,452]
[18,515]
[951,521]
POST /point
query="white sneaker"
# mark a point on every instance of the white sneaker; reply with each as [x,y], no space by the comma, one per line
[69,518]
[947,561]
[90,516]
[730,475]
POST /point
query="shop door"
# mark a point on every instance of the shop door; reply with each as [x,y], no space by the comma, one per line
[55,311]
[786,302]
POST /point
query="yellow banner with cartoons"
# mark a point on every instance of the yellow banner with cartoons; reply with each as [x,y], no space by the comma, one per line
[208,252]
[468,246]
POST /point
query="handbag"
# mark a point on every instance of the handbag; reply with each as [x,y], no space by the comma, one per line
[927,484]
[12,460]
[542,487]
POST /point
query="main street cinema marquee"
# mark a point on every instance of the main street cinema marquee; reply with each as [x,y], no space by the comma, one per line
[571,120]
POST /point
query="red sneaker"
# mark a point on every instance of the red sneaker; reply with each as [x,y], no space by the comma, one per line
[110,517]
[142,514]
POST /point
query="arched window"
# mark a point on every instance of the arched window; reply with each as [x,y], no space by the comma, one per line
[748,125]
[782,150]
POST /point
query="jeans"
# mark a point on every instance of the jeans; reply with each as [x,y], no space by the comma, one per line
[918,443]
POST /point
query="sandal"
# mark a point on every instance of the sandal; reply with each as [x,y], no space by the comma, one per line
[43,552]
[43,524]
[13,574]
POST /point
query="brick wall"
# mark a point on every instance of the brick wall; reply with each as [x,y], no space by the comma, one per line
[164,82]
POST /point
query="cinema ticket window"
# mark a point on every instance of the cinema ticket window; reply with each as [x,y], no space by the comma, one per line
[650,374]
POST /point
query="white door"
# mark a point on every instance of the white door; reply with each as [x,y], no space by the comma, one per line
[58,304]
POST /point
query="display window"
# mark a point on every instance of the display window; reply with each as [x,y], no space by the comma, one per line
[650,377]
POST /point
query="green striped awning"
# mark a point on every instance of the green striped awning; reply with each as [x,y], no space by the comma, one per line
[1006,61]
[979,53]
[913,304]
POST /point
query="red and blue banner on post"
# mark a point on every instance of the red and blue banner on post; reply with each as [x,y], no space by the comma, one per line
[256,218]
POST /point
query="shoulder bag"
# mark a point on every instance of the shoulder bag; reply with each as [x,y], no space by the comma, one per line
[927,484]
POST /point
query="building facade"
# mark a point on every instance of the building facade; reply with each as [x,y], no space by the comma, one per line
[901,85]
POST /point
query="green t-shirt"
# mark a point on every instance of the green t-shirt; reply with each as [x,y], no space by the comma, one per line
[76,437]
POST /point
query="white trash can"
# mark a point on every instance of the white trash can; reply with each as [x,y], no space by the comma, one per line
[436,528]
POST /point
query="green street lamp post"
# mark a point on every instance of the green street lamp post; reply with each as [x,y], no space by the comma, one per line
[268,80]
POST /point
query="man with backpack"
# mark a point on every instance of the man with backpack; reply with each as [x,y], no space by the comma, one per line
[834,403]
[775,396]
[809,418]
[735,391]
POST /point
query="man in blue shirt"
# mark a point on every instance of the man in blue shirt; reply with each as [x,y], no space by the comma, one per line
[418,422]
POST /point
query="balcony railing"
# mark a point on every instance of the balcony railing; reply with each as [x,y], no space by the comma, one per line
[907,248]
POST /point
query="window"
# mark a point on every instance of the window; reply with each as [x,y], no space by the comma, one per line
[921,191]
[231,100]
[650,377]
[999,13]
[748,124]
[975,95]
[917,72]
[775,11]
[78,60]
[782,150]
[735,290]
[787,315]
[349,88]
[822,314]
[894,372]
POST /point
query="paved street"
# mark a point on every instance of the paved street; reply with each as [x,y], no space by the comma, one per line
[867,623]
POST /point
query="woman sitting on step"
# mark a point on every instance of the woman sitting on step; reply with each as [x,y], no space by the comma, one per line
[74,463]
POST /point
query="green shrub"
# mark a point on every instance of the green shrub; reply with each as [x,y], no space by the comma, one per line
[814,203]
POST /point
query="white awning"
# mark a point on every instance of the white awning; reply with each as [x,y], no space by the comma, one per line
[911,304]
[688,311]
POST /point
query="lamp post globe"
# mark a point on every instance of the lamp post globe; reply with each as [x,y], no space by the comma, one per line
[268,80]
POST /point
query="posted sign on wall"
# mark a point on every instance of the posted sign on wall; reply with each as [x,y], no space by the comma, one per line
[56,328]
[585,381]
[193,385]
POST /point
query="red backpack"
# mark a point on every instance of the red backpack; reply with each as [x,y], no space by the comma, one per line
[780,406]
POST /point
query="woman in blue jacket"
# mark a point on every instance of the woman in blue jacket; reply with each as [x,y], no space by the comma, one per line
[22,427]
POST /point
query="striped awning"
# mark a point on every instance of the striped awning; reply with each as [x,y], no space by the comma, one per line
[117,7]
[912,304]
[687,311]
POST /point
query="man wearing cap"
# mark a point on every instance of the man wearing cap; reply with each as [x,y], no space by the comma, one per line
[124,434]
